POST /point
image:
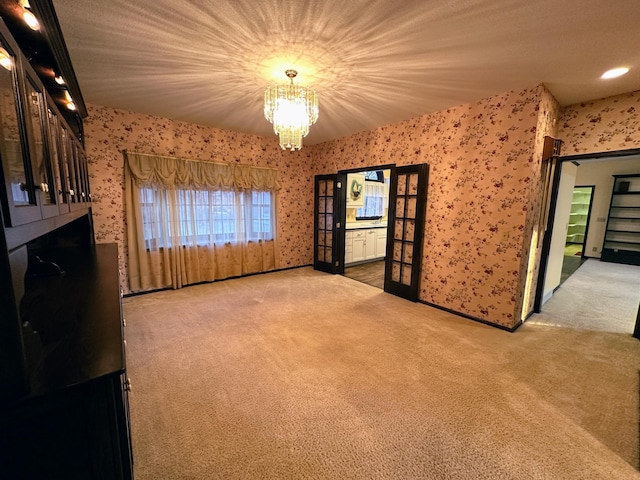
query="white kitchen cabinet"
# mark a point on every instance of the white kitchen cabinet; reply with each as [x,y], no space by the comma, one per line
[364,244]
[370,244]
[381,242]
[348,248]
[359,240]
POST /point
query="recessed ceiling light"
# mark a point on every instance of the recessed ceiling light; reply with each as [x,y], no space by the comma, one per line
[614,72]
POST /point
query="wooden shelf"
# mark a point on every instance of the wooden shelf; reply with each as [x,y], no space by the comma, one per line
[625,249]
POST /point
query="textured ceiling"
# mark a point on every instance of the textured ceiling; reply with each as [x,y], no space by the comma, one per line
[372,62]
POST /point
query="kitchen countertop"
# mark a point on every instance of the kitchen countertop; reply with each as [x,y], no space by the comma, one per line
[360,225]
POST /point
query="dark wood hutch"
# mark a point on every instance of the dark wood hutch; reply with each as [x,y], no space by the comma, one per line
[63,383]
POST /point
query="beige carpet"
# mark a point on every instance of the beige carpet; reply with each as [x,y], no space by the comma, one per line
[600,296]
[305,375]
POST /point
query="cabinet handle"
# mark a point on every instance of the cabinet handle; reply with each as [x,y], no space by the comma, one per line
[127,385]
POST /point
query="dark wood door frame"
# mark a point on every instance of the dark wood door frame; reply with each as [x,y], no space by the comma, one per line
[546,244]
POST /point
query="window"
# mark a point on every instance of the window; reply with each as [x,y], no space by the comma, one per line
[376,200]
[205,217]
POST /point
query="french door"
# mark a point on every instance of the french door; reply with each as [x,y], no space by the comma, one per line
[405,230]
[328,240]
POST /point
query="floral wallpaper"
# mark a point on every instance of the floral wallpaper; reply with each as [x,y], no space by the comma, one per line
[548,117]
[483,170]
[601,125]
[109,131]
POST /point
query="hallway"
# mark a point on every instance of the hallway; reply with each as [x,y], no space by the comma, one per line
[599,296]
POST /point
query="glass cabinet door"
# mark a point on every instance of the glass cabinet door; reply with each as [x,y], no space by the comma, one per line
[43,179]
[56,164]
[20,202]
[66,164]
[83,174]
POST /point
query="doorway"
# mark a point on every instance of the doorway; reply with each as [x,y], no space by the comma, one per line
[590,197]
[398,244]
[577,230]
[366,200]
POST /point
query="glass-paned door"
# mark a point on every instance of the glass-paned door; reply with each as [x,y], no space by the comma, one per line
[408,198]
[327,253]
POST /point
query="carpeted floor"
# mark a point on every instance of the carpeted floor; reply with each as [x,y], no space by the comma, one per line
[305,375]
[599,296]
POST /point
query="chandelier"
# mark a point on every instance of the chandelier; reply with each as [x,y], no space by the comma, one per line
[292,109]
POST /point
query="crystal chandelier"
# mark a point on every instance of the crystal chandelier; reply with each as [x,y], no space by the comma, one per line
[292,109]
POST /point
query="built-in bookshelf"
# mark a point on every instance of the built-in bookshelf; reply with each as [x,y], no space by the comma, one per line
[622,238]
[579,216]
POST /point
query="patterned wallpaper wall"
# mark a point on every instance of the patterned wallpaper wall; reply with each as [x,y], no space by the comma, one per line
[109,131]
[548,118]
[483,168]
[601,125]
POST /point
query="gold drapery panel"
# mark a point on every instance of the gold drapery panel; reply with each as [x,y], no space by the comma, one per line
[159,266]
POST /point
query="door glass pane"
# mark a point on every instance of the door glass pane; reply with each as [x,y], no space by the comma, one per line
[329,238]
[329,188]
[330,205]
[397,229]
[411,207]
[41,173]
[409,230]
[395,272]
[402,184]
[10,142]
[406,274]
[321,222]
[322,188]
[413,184]
[400,207]
[321,205]
[328,255]
[397,250]
[407,257]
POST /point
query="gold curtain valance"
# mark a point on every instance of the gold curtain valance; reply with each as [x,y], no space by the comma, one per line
[174,172]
